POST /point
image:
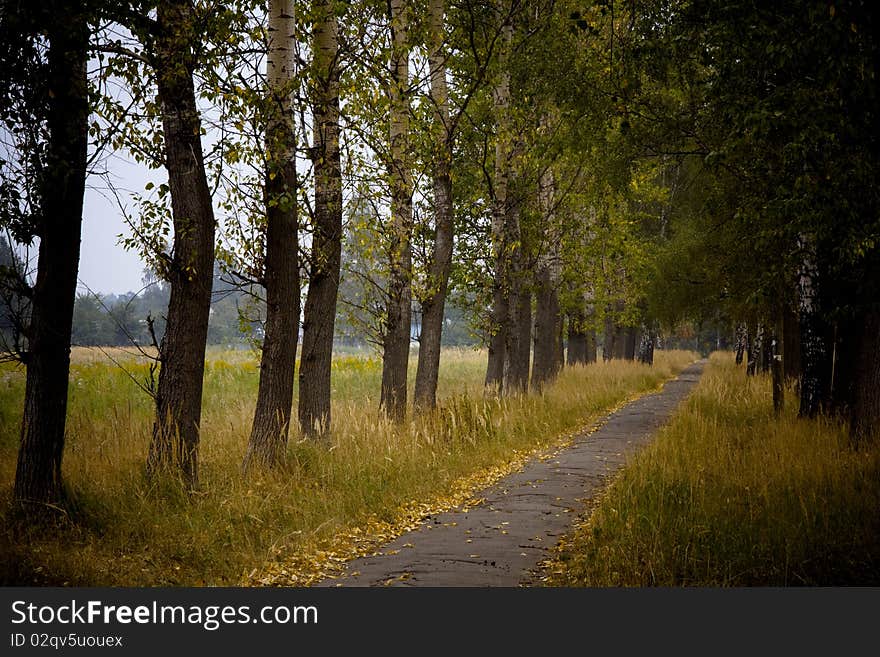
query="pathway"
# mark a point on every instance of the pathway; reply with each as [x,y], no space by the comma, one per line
[500,541]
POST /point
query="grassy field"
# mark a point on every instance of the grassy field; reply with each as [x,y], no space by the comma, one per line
[289,527]
[730,495]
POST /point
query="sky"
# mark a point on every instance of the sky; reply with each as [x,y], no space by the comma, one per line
[105,267]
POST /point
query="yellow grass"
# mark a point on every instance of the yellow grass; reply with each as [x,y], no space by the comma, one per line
[729,495]
[286,527]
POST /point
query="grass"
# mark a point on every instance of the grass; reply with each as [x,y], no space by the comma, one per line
[282,527]
[729,495]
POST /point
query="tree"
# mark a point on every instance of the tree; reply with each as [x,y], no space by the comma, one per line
[434,301]
[396,343]
[58,111]
[504,220]
[271,424]
[320,310]
[175,441]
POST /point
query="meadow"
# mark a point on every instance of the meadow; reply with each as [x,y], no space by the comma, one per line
[329,503]
[731,495]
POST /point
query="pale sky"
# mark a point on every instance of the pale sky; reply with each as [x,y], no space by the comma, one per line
[105,266]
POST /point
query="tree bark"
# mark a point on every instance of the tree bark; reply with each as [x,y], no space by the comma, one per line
[777,365]
[619,342]
[865,415]
[751,350]
[38,469]
[398,321]
[548,318]
[791,344]
[741,333]
[268,440]
[767,348]
[500,311]
[577,339]
[546,329]
[846,345]
[559,363]
[319,317]
[519,354]
[519,319]
[608,337]
[646,346]
[591,346]
[175,440]
[631,342]
[815,361]
[434,304]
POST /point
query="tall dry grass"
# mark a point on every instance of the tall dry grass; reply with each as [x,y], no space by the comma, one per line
[123,530]
[729,495]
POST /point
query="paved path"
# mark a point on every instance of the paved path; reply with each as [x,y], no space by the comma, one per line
[523,516]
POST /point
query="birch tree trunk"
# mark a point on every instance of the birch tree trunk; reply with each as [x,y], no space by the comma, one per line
[38,469]
[175,440]
[268,440]
[777,357]
[319,317]
[434,305]
[646,346]
[397,329]
[740,340]
[752,349]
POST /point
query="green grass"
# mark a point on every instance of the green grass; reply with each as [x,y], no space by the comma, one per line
[123,530]
[729,495]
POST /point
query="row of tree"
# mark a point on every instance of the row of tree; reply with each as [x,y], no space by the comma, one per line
[564,168]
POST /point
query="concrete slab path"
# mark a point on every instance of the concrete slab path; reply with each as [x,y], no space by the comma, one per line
[500,541]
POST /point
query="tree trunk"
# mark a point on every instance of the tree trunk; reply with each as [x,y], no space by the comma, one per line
[741,336]
[591,346]
[175,440]
[398,322]
[608,338]
[500,311]
[791,344]
[546,329]
[646,346]
[319,316]
[845,361]
[751,350]
[519,358]
[269,433]
[865,415]
[38,470]
[559,363]
[631,342]
[577,339]
[815,361]
[519,320]
[619,342]
[767,338]
[777,360]
[434,304]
